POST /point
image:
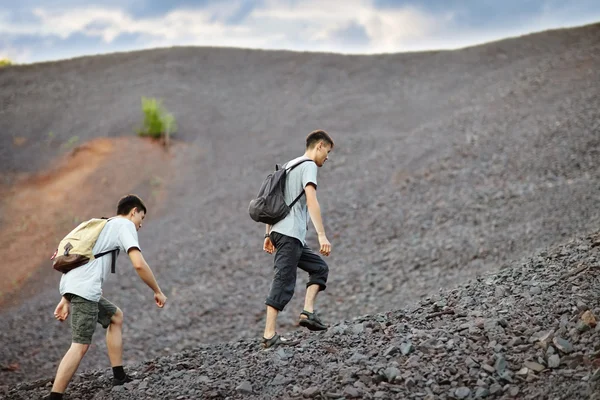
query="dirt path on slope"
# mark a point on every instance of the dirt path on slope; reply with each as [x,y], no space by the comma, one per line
[38,210]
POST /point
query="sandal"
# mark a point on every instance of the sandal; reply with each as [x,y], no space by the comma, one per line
[312,321]
[278,340]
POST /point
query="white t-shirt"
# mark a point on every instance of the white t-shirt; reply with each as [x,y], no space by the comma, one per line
[295,224]
[86,281]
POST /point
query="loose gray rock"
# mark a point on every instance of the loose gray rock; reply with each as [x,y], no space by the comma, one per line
[495,389]
[462,392]
[406,348]
[311,392]
[554,361]
[244,387]
[563,345]
[481,393]
[351,392]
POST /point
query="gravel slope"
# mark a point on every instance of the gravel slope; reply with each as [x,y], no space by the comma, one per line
[448,165]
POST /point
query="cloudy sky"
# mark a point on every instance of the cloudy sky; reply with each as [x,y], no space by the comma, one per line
[40,30]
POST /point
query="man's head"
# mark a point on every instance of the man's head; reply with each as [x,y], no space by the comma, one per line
[318,146]
[132,208]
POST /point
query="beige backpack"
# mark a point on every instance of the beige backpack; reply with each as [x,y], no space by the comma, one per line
[76,248]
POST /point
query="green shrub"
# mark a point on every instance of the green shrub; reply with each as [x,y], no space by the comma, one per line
[5,62]
[158,122]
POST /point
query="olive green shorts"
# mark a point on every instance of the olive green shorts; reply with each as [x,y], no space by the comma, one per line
[85,314]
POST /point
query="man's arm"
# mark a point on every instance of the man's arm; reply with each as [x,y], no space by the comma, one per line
[268,245]
[61,312]
[314,209]
[145,273]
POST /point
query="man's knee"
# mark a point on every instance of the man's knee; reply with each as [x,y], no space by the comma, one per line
[325,270]
[117,318]
[80,348]
[323,273]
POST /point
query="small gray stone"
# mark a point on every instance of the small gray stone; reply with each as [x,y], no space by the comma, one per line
[310,392]
[358,329]
[406,348]
[118,389]
[391,373]
[357,358]
[513,391]
[488,368]
[143,385]
[562,345]
[351,392]
[390,351]
[282,354]
[500,364]
[380,395]
[495,388]
[553,361]
[583,327]
[582,306]
[280,380]
[481,393]
[469,362]
[462,392]
[535,290]
[338,329]
[244,387]
[507,376]
[534,366]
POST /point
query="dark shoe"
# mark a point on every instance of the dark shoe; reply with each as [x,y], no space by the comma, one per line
[278,340]
[312,322]
[119,382]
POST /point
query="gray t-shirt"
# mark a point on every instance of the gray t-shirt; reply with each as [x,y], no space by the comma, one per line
[295,224]
[86,281]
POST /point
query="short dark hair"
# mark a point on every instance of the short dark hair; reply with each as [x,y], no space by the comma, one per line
[128,203]
[316,136]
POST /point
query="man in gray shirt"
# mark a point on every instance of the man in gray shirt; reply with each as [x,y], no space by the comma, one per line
[287,239]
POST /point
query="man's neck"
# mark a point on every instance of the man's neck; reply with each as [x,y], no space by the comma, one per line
[310,155]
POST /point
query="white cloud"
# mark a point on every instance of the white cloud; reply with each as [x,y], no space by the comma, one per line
[388,30]
[273,24]
[12,53]
[302,26]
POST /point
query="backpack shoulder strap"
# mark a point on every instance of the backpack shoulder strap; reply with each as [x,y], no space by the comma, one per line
[295,165]
[302,192]
[114,253]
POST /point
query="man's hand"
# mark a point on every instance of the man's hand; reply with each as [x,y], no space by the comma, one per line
[62,310]
[268,246]
[324,244]
[160,299]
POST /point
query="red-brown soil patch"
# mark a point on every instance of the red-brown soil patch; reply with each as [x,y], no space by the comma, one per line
[37,210]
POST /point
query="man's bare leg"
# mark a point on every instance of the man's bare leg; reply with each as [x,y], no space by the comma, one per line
[68,365]
[309,300]
[271,322]
[114,339]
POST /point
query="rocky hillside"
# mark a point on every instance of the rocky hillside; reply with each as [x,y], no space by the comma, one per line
[528,331]
[447,166]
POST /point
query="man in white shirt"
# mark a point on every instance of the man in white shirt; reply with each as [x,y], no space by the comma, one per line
[81,290]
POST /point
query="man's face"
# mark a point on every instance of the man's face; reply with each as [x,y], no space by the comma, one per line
[137,217]
[323,150]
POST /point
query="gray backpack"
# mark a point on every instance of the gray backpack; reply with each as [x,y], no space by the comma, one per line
[269,206]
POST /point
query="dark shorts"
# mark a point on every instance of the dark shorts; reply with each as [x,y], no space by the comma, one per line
[292,254]
[85,314]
